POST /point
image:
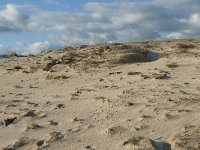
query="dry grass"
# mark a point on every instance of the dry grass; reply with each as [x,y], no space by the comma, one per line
[185,46]
[182,48]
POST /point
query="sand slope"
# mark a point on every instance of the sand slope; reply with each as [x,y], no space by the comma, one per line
[102,97]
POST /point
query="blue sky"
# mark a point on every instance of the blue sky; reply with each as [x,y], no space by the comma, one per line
[29,26]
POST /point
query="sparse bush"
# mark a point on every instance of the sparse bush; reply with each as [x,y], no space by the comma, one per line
[185,46]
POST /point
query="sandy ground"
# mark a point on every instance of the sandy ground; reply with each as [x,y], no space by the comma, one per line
[102,97]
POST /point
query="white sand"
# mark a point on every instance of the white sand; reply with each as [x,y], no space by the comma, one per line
[96,103]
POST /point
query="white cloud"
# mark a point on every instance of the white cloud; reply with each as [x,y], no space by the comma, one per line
[35,48]
[11,19]
[175,35]
[107,22]
[120,21]
[193,19]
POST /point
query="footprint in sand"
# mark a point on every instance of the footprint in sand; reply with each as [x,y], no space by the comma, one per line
[40,143]
[89,147]
[76,119]
[143,143]
[48,103]
[33,104]
[58,106]
[139,143]
[168,116]
[18,144]
[76,94]
[18,87]
[134,73]
[34,126]
[15,103]
[30,113]
[34,113]
[52,122]
[56,136]
[141,126]
[53,137]
[116,130]
[7,121]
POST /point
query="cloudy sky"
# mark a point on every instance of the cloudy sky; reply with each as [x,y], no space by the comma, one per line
[29,26]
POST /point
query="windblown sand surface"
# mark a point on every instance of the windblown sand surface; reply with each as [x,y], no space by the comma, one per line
[103,97]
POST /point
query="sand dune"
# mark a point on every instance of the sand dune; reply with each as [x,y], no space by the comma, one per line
[121,96]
